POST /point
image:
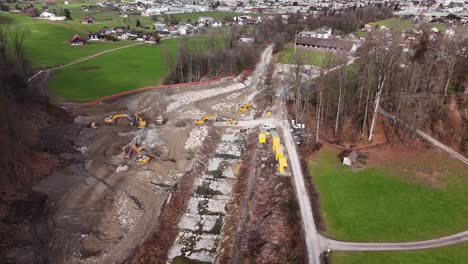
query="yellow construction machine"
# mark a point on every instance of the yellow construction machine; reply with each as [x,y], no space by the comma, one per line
[204,119]
[112,119]
[140,121]
[135,118]
[141,157]
[246,107]
[231,121]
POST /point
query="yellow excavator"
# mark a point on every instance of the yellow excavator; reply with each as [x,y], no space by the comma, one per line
[246,107]
[132,118]
[141,158]
[140,121]
[231,121]
[203,119]
[112,119]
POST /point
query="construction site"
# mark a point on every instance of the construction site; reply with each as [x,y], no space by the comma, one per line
[176,175]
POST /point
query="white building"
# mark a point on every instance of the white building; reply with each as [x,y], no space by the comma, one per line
[50,16]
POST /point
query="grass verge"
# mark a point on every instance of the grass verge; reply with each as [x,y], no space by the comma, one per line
[455,254]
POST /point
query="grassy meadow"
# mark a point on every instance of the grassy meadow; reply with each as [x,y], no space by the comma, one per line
[312,57]
[46,43]
[113,72]
[400,199]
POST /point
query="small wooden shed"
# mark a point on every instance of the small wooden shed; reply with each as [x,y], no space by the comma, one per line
[350,158]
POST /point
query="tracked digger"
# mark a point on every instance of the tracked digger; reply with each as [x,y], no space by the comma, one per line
[246,107]
[134,119]
[204,119]
[113,119]
[139,150]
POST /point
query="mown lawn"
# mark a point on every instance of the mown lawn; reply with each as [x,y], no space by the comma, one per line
[455,254]
[312,57]
[391,201]
[394,23]
[46,43]
[113,72]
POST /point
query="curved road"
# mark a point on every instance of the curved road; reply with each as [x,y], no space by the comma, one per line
[327,243]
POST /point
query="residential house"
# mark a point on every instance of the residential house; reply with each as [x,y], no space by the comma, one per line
[247,39]
[217,25]
[88,20]
[50,16]
[205,20]
[151,40]
[323,32]
[76,40]
[95,37]
[160,27]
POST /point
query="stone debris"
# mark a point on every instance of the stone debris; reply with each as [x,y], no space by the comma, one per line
[200,228]
[189,97]
[196,138]
[122,168]
[127,211]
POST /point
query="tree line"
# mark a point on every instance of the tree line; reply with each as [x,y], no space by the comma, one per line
[416,82]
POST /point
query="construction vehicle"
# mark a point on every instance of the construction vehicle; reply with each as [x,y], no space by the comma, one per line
[160,120]
[279,152]
[262,137]
[246,107]
[268,113]
[141,157]
[282,165]
[140,121]
[231,121]
[113,119]
[275,139]
[204,119]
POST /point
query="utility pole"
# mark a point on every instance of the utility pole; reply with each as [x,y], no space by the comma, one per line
[295,45]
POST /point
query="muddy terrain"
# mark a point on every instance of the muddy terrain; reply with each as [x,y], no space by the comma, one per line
[164,192]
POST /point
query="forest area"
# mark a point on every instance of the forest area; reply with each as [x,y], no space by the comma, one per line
[221,54]
[421,84]
[25,111]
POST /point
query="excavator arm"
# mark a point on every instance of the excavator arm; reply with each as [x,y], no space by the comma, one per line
[141,122]
[114,118]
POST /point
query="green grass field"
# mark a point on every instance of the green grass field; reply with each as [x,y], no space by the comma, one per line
[46,43]
[394,23]
[455,254]
[439,26]
[111,73]
[391,201]
[312,57]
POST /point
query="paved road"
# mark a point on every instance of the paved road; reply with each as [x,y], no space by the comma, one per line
[311,234]
[355,246]
[310,231]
